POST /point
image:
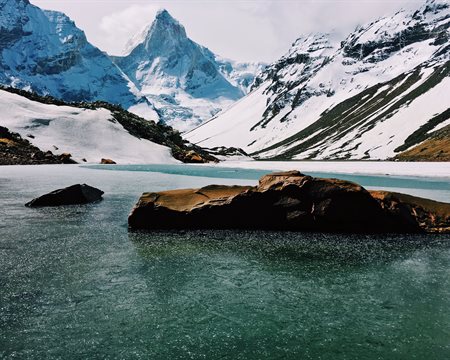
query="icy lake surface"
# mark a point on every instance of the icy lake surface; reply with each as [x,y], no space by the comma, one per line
[74,283]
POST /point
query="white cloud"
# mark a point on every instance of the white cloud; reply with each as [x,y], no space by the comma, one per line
[117,28]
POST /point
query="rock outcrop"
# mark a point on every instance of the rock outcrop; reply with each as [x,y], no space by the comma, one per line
[72,195]
[290,201]
[107,162]
[15,150]
[432,216]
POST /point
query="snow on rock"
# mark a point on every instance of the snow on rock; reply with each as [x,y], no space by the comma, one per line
[185,81]
[359,98]
[86,134]
[44,52]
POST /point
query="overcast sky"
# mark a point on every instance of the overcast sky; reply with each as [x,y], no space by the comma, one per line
[247,30]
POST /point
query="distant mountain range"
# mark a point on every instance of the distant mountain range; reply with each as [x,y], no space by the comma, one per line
[373,95]
[382,92]
[166,76]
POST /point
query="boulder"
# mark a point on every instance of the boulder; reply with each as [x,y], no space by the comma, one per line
[193,157]
[284,201]
[66,158]
[107,162]
[72,195]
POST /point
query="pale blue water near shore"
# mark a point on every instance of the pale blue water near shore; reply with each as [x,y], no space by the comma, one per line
[435,188]
[75,284]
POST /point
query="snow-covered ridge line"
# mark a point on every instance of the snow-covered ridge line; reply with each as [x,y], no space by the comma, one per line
[186,82]
[356,99]
[92,131]
[45,52]
[88,135]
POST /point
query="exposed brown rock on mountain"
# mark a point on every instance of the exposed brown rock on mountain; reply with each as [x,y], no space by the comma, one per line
[14,150]
[436,148]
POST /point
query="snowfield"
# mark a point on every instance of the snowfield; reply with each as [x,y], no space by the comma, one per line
[86,134]
[392,168]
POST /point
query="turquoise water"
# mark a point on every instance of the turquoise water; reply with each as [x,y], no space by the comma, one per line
[434,188]
[75,284]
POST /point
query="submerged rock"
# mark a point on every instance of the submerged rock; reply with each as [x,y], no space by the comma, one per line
[290,201]
[72,195]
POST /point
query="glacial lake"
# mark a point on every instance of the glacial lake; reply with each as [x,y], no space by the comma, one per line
[76,284]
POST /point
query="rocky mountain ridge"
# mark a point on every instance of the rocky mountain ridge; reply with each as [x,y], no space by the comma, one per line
[185,81]
[166,76]
[45,52]
[359,98]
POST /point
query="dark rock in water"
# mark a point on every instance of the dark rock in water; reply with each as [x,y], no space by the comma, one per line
[72,195]
[289,201]
[107,162]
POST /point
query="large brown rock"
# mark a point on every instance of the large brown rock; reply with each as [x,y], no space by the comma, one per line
[289,201]
[429,215]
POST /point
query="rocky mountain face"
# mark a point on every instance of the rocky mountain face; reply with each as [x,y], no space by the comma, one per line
[44,52]
[379,92]
[185,81]
[15,150]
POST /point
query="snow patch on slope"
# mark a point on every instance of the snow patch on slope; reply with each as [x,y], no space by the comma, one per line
[86,134]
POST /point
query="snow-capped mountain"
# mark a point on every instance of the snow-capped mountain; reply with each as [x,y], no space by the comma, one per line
[44,52]
[365,97]
[185,81]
